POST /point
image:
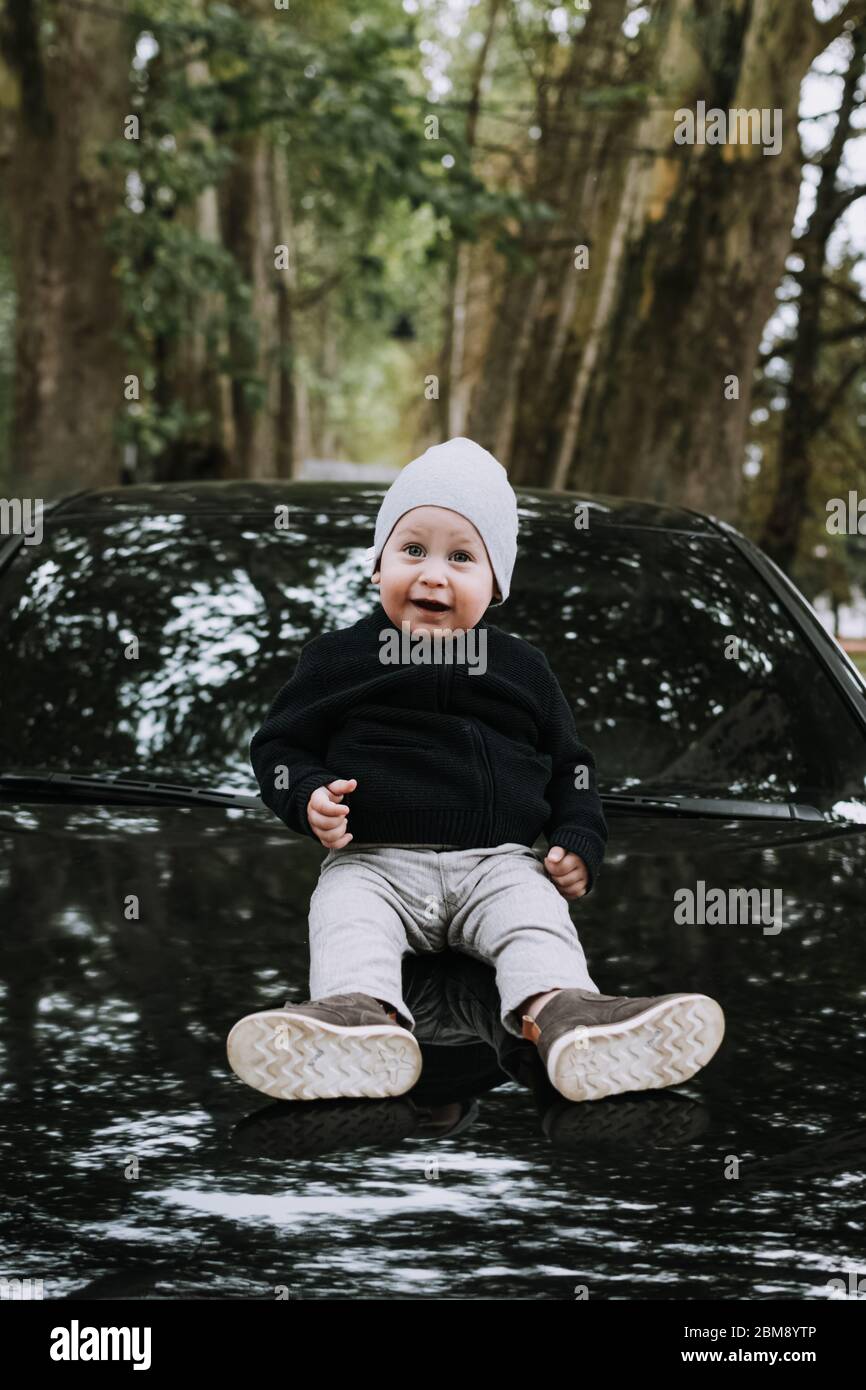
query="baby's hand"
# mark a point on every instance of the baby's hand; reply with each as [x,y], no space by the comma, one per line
[327,817]
[568,872]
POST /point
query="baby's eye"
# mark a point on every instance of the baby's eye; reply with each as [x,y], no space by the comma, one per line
[416,545]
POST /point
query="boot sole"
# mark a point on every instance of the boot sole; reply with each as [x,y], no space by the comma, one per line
[662,1046]
[290,1056]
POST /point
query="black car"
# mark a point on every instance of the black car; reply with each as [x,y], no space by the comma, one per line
[148,900]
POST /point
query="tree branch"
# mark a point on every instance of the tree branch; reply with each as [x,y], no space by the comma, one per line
[827,30]
[841,335]
[847,292]
[833,335]
[845,197]
[305,298]
[836,395]
[21,47]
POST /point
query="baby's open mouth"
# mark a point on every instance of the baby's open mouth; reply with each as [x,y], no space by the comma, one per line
[431,605]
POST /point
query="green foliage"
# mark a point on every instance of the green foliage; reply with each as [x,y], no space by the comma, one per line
[333,91]
[342,90]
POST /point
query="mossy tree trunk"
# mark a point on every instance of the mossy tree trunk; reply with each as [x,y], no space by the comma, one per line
[617,378]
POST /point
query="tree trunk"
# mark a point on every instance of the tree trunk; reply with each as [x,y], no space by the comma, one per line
[328,440]
[453,400]
[710,233]
[72,98]
[526,328]
[248,232]
[286,462]
[687,244]
[803,412]
[190,374]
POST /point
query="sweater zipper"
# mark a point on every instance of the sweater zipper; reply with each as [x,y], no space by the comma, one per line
[445,677]
[488,777]
[445,681]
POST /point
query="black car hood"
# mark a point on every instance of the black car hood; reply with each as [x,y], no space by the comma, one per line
[134,937]
[236,866]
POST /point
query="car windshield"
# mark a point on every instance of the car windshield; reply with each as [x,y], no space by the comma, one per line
[153,644]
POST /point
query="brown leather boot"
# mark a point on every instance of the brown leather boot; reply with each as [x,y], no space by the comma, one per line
[343,1045]
[596,1045]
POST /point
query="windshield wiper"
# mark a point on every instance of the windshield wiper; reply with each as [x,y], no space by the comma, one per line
[73,786]
[730,807]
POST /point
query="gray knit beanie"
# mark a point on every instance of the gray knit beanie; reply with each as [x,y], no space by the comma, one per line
[458,474]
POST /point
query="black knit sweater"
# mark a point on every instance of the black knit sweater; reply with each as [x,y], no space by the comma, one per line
[442,754]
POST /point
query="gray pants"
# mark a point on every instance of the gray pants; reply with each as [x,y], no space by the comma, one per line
[374,904]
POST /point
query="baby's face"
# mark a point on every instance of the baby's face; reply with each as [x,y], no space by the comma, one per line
[437,555]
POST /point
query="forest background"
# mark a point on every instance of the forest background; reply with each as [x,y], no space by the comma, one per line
[235,238]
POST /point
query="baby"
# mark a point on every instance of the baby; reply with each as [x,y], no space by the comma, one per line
[457,748]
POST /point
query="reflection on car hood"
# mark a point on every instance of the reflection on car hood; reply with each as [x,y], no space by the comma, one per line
[135,937]
[241,863]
